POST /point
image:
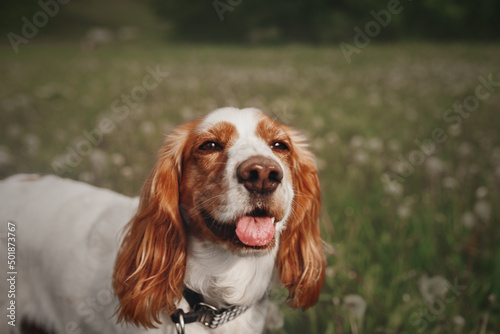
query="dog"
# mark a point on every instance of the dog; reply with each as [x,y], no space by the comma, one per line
[230,208]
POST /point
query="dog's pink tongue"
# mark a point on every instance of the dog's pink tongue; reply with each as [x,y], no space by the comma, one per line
[255,231]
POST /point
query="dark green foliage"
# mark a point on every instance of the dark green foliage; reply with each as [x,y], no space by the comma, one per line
[327,21]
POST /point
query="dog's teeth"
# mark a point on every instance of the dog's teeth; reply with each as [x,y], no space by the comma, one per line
[273,219]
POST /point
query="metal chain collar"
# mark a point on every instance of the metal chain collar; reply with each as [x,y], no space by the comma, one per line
[206,314]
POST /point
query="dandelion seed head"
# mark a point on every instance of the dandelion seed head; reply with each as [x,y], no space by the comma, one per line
[465,150]
[127,172]
[375,145]
[361,158]
[482,209]
[481,192]
[148,128]
[394,189]
[404,212]
[469,220]
[434,166]
[117,159]
[432,288]
[355,305]
[356,142]
[458,321]
[330,272]
[450,183]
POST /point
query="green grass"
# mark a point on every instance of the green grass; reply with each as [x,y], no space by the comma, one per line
[360,118]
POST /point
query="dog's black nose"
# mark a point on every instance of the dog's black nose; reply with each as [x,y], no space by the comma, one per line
[260,174]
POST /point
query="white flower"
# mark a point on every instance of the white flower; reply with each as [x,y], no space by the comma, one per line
[330,272]
[355,305]
[97,36]
[465,150]
[360,158]
[393,188]
[148,128]
[455,130]
[450,183]
[404,212]
[482,209]
[432,288]
[356,142]
[127,172]
[469,220]
[434,166]
[481,192]
[459,321]
[117,159]
[375,145]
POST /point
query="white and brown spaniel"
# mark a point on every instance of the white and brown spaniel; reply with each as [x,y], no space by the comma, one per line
[232,202]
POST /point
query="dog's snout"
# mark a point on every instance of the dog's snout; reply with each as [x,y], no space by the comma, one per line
[260,174]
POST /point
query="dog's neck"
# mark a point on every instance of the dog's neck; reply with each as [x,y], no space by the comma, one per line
[226,279]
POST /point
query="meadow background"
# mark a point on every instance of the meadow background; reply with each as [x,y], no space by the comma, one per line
[412,222]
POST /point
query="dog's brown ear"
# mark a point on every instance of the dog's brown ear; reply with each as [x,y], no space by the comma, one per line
[151,263]
[301,261]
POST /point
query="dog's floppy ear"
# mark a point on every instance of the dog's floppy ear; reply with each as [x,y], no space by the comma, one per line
[301,261]
[151,263]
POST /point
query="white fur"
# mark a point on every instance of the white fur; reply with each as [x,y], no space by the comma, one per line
[248,144]
[68,235]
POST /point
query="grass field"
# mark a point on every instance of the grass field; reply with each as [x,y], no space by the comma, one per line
[412,211]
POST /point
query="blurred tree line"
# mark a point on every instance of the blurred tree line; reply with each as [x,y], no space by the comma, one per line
[329,21]
[316,21]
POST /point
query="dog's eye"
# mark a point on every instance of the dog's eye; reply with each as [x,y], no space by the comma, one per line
[279,146]
[210,146]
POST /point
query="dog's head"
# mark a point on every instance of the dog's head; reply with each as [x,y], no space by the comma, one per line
[237,179]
